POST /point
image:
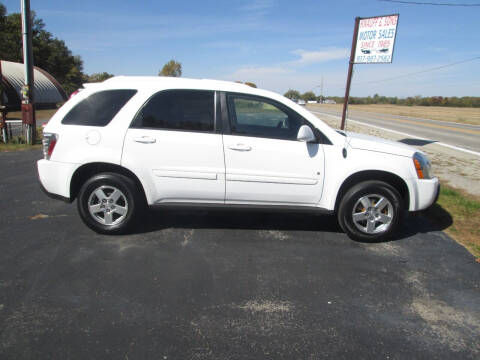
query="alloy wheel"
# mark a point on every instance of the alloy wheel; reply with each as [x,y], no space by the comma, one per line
[108,205]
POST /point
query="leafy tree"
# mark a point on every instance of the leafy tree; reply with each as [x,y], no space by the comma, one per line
[49,53]
[251,84]
[98,77]
[417,100]
[292,94]
[172,68]
[309,96]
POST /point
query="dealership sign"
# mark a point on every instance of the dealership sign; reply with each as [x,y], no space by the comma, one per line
[373,42]
[376,39]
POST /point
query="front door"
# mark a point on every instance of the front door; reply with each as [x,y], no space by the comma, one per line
[265,163]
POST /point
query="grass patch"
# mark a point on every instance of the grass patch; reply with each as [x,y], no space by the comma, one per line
[18,147]
[464,210]
[17,143]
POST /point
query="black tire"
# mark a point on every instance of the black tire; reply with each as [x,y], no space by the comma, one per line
[123,211]
[375,226]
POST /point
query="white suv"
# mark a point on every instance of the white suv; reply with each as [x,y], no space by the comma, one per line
[132,142]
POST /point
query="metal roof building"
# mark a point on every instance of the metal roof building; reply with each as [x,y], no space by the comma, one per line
[47,91]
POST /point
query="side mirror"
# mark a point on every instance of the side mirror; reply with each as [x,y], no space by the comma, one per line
[305,134]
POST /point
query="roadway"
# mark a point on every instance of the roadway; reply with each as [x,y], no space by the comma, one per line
[454,134]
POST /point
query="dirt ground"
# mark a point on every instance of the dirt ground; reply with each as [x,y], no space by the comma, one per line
[450,114]
[460,170]
[40,114]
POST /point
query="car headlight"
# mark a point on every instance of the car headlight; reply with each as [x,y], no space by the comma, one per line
[422,166]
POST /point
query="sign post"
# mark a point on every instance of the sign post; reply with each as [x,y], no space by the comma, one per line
[373,43]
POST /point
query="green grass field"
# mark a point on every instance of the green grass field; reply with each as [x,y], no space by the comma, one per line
[464,210]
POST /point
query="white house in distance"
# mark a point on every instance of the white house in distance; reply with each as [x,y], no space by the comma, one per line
[329,101]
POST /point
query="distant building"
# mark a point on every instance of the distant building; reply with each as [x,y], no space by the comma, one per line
[329,101]
[47,91]
[312,101]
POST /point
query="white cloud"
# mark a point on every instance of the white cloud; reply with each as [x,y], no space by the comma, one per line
[437,49]
[320,56]
[257,71]
[258,5]
[289,75]
[446,82]
[277,78]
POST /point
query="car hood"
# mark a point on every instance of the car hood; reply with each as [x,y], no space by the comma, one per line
[373,143]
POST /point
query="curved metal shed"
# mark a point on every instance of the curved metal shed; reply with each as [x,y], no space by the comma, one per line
[47,91]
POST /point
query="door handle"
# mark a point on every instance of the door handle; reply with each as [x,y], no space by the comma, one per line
[144,139]
[240,147]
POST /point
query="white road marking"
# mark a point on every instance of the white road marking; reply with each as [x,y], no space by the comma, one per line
[403,133]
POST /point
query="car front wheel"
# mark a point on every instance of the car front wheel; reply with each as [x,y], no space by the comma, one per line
[370,211]
[109,203]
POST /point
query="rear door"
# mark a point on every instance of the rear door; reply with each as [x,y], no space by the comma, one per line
[265,163]
[175,147]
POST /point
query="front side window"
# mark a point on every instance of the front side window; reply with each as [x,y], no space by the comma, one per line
[188,110]
[254,116]
[99,108]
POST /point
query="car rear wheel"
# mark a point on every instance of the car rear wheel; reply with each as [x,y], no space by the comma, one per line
[370,211]
[109,203]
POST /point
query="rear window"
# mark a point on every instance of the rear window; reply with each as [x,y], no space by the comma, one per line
[99,108]
[187,110]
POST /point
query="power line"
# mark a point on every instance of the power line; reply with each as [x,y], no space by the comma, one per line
[342,86]
[420,72]
[428,3]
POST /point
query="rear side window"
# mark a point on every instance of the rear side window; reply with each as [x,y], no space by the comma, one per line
[99,108]
[188,110]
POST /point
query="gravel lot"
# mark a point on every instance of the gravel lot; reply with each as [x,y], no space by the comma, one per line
[224,285]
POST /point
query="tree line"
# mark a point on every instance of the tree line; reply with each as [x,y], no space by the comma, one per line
[453,101]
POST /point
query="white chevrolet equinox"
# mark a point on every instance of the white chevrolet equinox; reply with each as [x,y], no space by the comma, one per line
[132,142]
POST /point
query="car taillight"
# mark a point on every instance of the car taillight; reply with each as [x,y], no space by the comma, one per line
[49,141]
[74,93]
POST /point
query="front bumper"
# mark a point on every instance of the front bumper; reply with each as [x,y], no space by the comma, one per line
[427,193]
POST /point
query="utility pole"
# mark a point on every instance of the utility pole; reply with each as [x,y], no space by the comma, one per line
[3,110]
[321,91]
[28,101]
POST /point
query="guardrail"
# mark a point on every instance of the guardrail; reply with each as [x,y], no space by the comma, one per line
[12,128]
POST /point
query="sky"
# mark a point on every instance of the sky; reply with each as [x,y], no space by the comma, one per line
[277,44]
